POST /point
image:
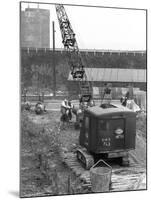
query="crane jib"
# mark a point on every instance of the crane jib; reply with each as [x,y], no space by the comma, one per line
[70,44]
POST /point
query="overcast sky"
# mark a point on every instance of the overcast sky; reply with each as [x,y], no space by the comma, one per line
[101,28]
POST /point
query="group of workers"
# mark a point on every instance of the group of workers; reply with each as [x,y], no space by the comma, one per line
[84,101]
[87,101]
[108,95]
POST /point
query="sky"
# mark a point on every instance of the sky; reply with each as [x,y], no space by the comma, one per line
[101,28]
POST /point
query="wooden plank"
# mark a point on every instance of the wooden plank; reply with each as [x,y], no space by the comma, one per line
[123,178]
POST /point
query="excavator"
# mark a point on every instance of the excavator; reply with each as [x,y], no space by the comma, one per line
[106,131]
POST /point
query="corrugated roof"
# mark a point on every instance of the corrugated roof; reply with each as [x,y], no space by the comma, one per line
[114,75]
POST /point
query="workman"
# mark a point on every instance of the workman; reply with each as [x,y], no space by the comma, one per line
[66,105]
[124,99]
[107,93]
[127,95]
[27,105]
[40,106]
[107,89]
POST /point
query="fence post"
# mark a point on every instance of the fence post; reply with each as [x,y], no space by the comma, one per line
[56,183]
[69,184]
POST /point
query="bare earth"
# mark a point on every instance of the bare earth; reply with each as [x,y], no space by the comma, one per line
[42,170]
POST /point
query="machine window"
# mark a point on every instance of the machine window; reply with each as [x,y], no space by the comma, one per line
[104,125]
[111,125]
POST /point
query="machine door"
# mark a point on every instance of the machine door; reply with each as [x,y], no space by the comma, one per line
[111,134]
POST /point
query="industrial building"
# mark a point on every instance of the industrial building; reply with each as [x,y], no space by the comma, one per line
[35,28]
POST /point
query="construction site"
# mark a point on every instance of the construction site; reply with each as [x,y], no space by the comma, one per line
[83,111]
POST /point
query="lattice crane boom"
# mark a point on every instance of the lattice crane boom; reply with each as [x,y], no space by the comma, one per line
[74,57]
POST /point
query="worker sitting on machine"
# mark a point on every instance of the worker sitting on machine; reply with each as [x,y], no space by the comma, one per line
[66,110]
[107,94]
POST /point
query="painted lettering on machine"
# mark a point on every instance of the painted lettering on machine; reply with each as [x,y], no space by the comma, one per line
[106,141]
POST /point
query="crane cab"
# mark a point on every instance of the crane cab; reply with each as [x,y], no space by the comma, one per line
[108,130]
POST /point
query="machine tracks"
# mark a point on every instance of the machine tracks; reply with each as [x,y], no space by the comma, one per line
[122,179]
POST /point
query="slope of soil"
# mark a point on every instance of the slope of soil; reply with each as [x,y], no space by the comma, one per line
[42,170]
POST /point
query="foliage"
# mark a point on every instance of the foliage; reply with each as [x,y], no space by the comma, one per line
[39,146]
[37,68]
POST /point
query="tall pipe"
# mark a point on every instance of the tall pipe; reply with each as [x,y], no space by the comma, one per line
[54,64]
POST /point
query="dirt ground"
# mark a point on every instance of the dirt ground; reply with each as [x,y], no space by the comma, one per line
[42,171]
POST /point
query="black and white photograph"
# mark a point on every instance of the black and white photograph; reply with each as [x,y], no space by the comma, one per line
[83,99]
